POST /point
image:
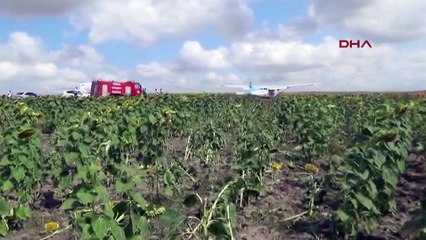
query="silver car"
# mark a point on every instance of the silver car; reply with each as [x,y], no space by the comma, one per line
[25,94]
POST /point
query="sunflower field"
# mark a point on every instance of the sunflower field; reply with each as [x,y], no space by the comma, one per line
[212,166]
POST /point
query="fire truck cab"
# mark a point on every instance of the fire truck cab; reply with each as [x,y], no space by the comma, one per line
[101,88]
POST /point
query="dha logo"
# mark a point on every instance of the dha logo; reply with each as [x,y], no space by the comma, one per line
[350,44]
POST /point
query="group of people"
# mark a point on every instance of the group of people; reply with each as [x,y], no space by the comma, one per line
[159,92]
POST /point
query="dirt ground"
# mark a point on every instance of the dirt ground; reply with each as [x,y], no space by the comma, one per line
[272,216]
[286,201]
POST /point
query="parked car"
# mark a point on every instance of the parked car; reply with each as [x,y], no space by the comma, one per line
[70,93]
[25,94]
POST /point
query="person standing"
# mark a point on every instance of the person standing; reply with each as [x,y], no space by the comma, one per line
[145,94]
[9,94]
[75,92]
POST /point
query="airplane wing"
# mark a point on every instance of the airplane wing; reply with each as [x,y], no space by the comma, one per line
[301,85]
[287,86]
[245,87]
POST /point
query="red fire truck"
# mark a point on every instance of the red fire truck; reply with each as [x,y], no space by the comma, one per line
[113,88]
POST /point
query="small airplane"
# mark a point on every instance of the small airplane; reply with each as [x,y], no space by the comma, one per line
[266,91]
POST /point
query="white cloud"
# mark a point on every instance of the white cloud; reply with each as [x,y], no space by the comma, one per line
[377,69]
[266,60]
[8,70]
[295,30]
[153,70]
[192,82]
[147,21]
[39,7]
[274,55]
[378,20]
[172,83]
[230,78]
[21,47]
[26,66]
[291,62]
[194,57]
[214,82]
[143,21]
[39,77]
[78,56]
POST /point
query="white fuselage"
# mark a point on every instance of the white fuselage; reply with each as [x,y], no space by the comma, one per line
[265,92]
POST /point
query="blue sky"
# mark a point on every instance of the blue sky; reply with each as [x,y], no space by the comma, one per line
[201,45]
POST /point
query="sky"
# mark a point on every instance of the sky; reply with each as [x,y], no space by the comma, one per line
[201,45]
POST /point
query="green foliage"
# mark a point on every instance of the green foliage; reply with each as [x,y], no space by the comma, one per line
[369,175]
[103,156]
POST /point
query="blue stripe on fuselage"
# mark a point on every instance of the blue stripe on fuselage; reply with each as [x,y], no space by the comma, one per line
[253,89]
